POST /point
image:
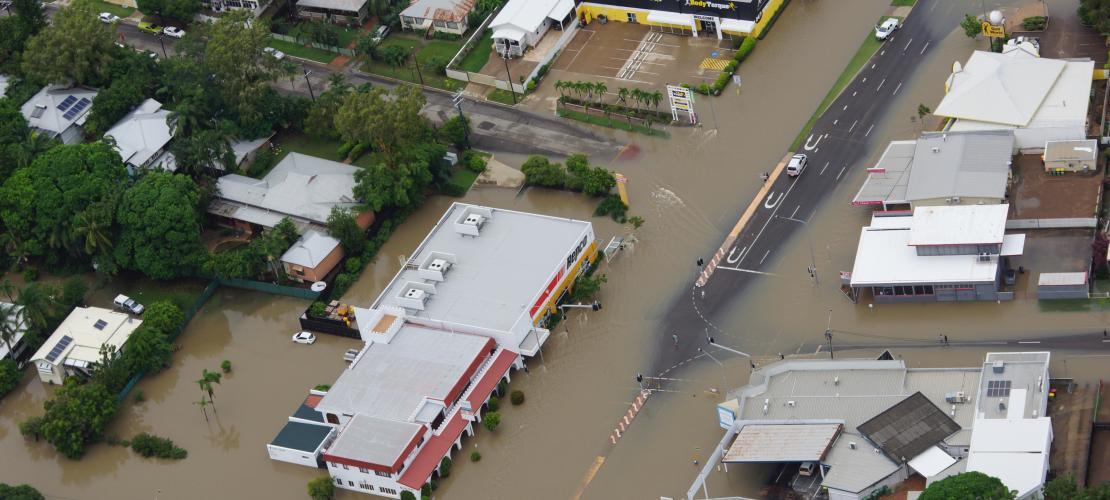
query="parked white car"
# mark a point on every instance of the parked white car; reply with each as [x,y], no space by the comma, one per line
[797,165]
[380,33]
[108,17]
[277,54]
[888,27]
[174,32]
[128,304]
[304,338]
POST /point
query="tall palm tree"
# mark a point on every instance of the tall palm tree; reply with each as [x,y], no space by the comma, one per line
[36,304]
[600,89]
[9,289]
[90,230]
[656,98]
[561,86]
[622,96]
[34,145]
[11,319]
[187,117]
[203,404]
[206,380]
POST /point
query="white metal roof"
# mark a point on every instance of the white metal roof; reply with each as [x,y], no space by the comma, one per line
[672,18]
[782,443]
[526,16]
[932,461]
[736,25]
[1062,279]
[51,118]
[970,164]
[854,469]
[142,134]
[891,175]
[439,10]
[885,257]
[374,440]
[80,326]
[1013,244]
[344,5]
[1014,451]
[310,249]
[958,225]
[1080,150]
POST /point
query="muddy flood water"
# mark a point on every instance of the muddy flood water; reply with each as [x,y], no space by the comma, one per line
[690,189]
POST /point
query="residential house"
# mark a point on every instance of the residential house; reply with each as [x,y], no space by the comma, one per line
[444,16]
[312,257]
[142,136]
[522,23]
[74,347]
[59,112]
[349,12]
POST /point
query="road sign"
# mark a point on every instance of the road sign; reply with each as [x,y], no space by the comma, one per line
[992,31]
[682,99]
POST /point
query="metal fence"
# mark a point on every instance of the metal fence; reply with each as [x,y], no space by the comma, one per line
[266,287]
[1078,222]
[310,43]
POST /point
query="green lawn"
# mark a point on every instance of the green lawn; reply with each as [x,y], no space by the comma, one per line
[297,50]
[346,36]
[605,122]
[479,54]
[868,48]
[503,96]
[408,74]
[903,3]
[425,50]
[301,143]
[1074,305]
[463,177]
[102,6]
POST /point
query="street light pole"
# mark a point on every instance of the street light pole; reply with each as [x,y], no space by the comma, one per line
[828,334]
[162,41]
[309,82]
[416,63]
[457,100]
[724,380]
[812,256]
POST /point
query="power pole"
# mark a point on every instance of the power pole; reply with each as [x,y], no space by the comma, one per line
[507,74]
[828,334]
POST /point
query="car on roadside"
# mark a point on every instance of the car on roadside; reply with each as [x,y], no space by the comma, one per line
[887,28]
[277,54]
[108,18]
[380,33]
[174,32]
[304,338]
[797,165]
[128,304]
[150,27]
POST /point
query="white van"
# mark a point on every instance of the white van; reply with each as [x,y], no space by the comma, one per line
[797,164]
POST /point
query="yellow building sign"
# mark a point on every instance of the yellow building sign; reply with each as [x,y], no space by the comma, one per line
[992,31]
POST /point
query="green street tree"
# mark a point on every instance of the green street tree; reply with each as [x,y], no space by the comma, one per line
[76,48]
[182,10]
[76,416]
[343,227]
[455,131]
[380,186]
[235,65]
[321,488]
[585,287]
[491,420]
[163,316]
[968,485]
[971,25]
[389,122]
[540,171]
[40,203]
[160,226]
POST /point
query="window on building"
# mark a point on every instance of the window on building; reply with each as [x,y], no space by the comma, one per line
[339,481]
[332,464]
[345,467]
[408,20]
[632,17]
[453,26]
[387,491]
[351,483]
[440,24]
[383,474]
[364,470]
[364,485]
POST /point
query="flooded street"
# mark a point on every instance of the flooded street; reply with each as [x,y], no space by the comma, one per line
[690,190]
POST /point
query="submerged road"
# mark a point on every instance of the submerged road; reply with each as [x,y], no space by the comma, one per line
[837,143]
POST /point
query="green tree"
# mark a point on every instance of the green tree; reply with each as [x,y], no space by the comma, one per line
[13,131]
[76,48]
[445,467]
[39,203]
[287,231]
[206,382]
[182,10]
[407,495]
[21,492]
[202,150]
[389,122]
[380,186]
[320,121]
[76,416]
[148,350]
[455,131]
[321,488]
[38,304]
[230,51]
[923,111]
[160,226]
[163,316]
[111,104]
[970,485]
[971,25]
[10,375]
[491,420]
[73,292]
[343,227]
[585,287]
[539,171]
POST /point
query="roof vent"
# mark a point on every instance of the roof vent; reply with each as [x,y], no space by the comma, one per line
[1001,405]
[836,380]
[474,220]
[413,293]
[471,220]
[999,366]
[440,265]
[851,445]
[936,149]
[38,111]
[790,403]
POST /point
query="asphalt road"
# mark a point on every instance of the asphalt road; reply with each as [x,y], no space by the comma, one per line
[839,140]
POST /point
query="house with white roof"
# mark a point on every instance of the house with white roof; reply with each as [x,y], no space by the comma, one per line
[141,137]
[16,323]
[59,112]
[348,12]
[74,347]
[869,424]
[941,253]
[446,16]
[522,23]
[1039,99]
[312,257]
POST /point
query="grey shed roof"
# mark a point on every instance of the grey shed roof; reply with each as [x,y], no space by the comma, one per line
[889,184]
[908,428]
[302,436]
[853,469]
[1084,150]
[969,164]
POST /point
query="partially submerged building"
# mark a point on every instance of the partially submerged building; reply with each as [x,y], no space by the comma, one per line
[1040,99]
[938,253]
[1071,156]
[869,424]
[522,23]
[719,19]
[74,347]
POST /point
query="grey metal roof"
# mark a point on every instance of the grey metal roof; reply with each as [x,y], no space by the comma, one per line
[344,5]
[1019,371]
[889,185]
[908,428]
[301,436]
[374,440]
[305,412]
[969,164]
[52,119]
[853,469]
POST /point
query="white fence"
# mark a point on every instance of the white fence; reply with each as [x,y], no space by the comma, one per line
[568,35]
[1078,222]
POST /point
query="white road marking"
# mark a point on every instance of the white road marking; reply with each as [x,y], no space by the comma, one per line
[795,212]
[773,213]
[729,258]
[836,120]
[882,53]
[869,130]
[745,270]
[896,89]
[907,45]
[765,256]
[872,66]
[880,85]
[864,80]
[854,93]
[842,169]
[771,204]
[822,172]
[845,108]
[1029,342]
[925,47]
[850,129]
[808,146]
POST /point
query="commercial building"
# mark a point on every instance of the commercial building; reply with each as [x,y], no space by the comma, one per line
[1040,99]
[445,16]
[17,324]
[712,18]
[303,438]
[141,137]
[940,168]
[348,12]
[522,23]
[1072,285]
[869,424]
[466,308]
[1071,156]
[59,112]
[941,253]
[74,347]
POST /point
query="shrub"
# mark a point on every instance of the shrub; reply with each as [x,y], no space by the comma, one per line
[10,375]
[1034,23]
[451,37]
[613,207]
[445,467]
[322,387]
[30,274]
[357,151]
[539,171]
[517,397]
[745,49]
[453,189]
[502,386]
[494,403]
[475,456]
[345,149]
[722,82]
[407,495]
[730,68]
[342,283]
[263,160]
[225,366]
[31,428]
[531,87]
[163,316]
[21,492]
[149,445]
[139,396]
[473,161]
[353,265]
[323,488]
[491,420]
[317,310]
[436,65]
[703,89]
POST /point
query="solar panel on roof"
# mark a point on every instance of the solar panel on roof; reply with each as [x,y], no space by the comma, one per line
[100,324]
[58,348]
[64,105]
[77,108]
[998,388]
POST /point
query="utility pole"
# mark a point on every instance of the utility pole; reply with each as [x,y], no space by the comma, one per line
[812,256]
[162,41]
[507,74]
[416,63]
[724,380]
[309,82]
[828,334]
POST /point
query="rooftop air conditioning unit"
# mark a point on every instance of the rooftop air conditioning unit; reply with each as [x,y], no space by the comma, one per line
[415,293]
[851,445]
[790,403]
[440,265]
[936,149]
[836,380]
[955,397]
[955,199]
[475,220]
[999,366]
[984,257]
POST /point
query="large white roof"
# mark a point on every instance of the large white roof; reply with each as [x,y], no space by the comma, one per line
[143,133]
[526,16]
[1017,90]
[885,257]
[300,186]
[932,461]
[958,225]
[86,337]
[1015,451]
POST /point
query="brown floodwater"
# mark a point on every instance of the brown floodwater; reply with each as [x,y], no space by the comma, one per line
[690,189]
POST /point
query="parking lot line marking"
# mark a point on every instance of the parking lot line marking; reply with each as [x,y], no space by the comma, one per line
[854,93]
[925,47]
[864,80]
[836,120]
[768,252]
[822,172]
[869,130]
[896,89]
[880,85]
[872,66]
[842,169]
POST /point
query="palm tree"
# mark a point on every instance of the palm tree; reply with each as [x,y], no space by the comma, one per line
[203,404]
[561,86]
[637,97]
[656,98]
[91,229]
[9,289]
[337,81]
[36,304]
[600,88]
[206,380]
[290,70]
[187,117]
[622,96]
[34,145]
[11,319]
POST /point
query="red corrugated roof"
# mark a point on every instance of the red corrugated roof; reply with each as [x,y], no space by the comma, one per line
[489,381]
[312,400]
[430,455]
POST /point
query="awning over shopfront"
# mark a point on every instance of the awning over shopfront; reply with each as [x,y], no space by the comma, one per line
[672,18]
[737,26]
